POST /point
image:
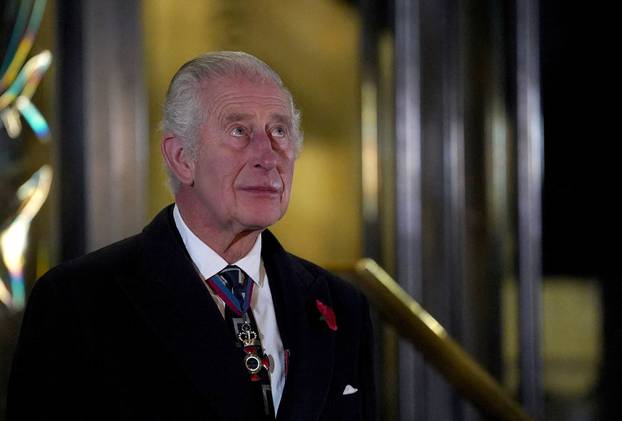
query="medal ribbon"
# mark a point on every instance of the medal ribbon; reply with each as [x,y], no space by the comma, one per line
[218,285]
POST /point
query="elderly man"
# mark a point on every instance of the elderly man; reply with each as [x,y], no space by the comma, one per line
[203,315]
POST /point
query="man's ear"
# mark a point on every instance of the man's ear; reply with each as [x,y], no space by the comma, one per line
[178,158]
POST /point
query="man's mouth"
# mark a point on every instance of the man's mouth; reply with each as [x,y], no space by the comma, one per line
[261,189]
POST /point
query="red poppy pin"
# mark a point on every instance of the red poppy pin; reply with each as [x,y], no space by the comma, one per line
[328,315]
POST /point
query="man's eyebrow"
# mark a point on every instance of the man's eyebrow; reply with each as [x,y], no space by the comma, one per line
[233,117]
[281,118]
[278,118]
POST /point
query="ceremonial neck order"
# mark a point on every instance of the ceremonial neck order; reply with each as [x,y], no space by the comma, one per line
[235,288]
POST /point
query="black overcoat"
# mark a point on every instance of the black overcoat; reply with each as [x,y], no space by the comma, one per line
[130,332]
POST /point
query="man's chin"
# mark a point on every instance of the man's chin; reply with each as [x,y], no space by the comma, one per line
[259,220]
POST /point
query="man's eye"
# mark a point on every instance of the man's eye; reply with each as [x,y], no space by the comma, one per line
[278,132]
[238,131]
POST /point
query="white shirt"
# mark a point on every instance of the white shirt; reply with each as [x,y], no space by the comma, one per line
[208,263]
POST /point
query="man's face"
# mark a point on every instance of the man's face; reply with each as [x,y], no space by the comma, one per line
[245,157]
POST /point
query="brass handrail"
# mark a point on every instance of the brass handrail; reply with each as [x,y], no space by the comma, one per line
[431,339]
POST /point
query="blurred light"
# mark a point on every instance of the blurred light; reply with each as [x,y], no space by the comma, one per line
[14,240]
[369,135]
[17,97]
[5,295]
[11,122]
[15,56]
[28,78]
[33,117]
[16,35]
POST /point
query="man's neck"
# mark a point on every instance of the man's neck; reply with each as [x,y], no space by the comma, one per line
[230,245]
[238,247]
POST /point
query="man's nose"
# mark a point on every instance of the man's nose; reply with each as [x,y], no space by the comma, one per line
[263,151]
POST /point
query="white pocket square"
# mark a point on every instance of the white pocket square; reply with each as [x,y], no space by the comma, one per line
[349,390]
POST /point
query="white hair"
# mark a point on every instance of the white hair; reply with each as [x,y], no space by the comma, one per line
[184,110]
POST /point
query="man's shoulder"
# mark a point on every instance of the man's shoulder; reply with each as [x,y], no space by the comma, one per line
[338,286]
[120,256]
[306,269]
[123,256]
[311,268]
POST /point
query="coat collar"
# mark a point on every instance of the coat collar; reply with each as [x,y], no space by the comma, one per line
[173,299]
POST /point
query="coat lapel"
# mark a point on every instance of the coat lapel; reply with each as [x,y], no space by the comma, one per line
[172,298]
[308,340]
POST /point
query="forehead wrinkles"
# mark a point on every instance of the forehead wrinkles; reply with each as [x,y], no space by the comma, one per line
[251,105]
[225,97]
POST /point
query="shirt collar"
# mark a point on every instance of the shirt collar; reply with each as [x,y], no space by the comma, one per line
[208,262]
